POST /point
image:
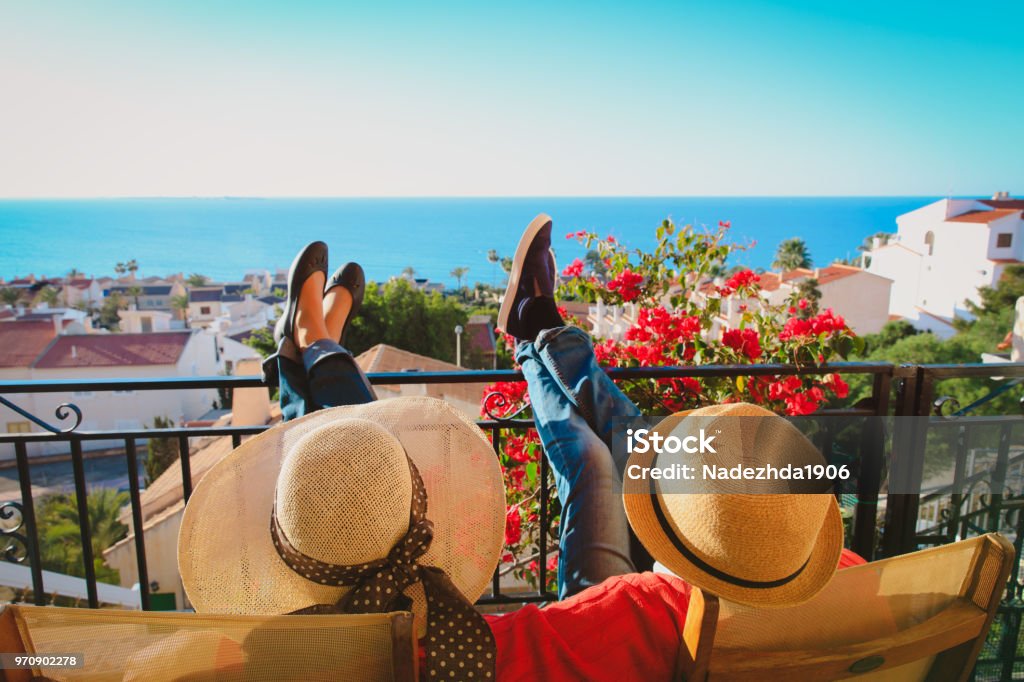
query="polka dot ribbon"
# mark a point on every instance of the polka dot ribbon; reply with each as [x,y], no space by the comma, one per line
[459,642]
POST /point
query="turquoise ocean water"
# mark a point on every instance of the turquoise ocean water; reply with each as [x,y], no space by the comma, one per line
[222,238]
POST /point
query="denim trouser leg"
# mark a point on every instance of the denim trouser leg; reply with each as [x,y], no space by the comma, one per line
[327,377]
[574,403]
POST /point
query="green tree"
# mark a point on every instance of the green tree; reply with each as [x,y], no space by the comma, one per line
[196,280]
[890,334]
[399,314]
[595,263]
[108,311]
[493,258]
[49,295]
[792,254]
[132,267]
[60,537]
[179,304]
[134,291]
[161,452]
[263,341]
[10,295]
[120,269]
[458,273]
[806,290]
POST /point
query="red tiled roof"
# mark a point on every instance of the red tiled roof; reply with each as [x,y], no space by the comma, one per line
[22,342]
[1017,204]
[836,271]
[983,217]
[80,283]
[770,281]
[115,350]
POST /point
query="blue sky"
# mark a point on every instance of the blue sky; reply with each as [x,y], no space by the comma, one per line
[257,98]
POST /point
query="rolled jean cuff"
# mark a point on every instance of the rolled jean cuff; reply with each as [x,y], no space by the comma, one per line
[318,351]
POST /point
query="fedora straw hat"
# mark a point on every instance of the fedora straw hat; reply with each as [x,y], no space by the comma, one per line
[751,542]
[339,485]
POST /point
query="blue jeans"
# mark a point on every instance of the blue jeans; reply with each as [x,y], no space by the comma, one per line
[575,405]
[327,376]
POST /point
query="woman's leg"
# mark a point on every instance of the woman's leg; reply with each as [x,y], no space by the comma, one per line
[323,374]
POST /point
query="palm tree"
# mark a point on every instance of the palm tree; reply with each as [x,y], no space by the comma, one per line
[75,273]
[792,254]
[48,295]
[134,292]
[458,273]
[60,531]
[120,269]
[409,272]
[493,258]
[132,266]
[180,305]
[197,280]
[10,295]
[807,289]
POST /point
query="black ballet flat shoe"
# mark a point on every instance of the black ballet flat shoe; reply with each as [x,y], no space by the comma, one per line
[351,277]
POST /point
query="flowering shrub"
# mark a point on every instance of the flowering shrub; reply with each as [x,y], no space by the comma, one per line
[677,307]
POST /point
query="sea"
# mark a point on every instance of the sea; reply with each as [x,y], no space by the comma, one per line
[223,238]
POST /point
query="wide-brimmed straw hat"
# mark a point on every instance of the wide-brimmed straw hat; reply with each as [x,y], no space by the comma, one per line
[340,488]
[761,544]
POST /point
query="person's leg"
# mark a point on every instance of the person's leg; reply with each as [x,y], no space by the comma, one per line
[314,370]
[574,405]
[333,376]
[594,534]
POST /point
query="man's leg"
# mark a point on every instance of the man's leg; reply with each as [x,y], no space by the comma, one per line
[574,403]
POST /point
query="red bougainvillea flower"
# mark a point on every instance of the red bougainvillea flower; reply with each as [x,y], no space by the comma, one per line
[802,304]
[553,562]
[801,403]
[744,341]
[743,278]
[513,526]
[838,386]
[573,270]
[825,323]
[725,223]
[610,239]
[518,447]
[514,395]
[626,284]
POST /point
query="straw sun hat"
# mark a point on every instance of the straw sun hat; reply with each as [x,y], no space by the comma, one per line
[773,543]
[272,525]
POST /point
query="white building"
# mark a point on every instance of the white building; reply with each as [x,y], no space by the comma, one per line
[943,252]
[34,351]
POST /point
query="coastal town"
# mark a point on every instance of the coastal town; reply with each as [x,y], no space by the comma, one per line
[79,327]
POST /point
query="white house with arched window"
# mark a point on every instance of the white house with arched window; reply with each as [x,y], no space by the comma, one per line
[943,252]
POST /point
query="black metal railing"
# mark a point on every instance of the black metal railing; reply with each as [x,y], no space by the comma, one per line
[883,525]
[864,523]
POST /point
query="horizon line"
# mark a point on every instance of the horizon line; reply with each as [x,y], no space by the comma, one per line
[240,197]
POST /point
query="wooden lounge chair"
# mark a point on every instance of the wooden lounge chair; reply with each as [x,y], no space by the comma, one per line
[921,616]
[187,647]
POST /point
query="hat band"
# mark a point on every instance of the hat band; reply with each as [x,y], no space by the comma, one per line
[692,557]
